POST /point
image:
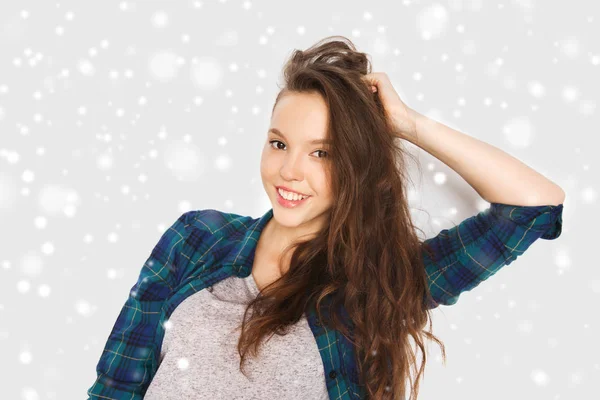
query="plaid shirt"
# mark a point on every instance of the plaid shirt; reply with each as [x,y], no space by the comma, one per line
[204,247]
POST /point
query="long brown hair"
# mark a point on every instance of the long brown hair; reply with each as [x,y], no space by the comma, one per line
[368,258]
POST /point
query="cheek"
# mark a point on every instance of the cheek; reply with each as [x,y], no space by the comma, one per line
[268,166]
[264,161]
[322,185]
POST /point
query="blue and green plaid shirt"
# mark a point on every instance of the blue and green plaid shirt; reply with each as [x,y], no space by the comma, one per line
[204,247]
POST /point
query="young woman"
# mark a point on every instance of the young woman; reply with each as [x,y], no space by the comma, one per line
[335,268]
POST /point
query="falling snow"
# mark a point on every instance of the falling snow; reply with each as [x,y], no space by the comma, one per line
[116,118]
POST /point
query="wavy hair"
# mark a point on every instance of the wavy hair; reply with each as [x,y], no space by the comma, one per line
[368,258]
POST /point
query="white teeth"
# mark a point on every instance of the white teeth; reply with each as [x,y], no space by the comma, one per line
[290,196]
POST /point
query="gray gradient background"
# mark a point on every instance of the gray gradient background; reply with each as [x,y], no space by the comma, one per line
[116,117]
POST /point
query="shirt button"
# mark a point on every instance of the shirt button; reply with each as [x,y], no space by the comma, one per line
[210,289]
[332,374]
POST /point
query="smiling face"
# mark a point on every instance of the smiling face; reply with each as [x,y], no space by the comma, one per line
[290,159]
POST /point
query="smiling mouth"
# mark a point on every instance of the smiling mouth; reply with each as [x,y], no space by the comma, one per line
[304,196]
[287,203]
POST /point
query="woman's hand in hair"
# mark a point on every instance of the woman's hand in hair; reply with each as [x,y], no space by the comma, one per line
[403,117]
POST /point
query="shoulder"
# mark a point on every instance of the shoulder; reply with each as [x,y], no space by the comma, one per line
[210,237]
[216,222]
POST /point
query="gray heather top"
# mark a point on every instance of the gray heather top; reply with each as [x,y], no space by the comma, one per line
[199,357]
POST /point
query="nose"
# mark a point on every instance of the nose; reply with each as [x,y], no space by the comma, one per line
[293,167]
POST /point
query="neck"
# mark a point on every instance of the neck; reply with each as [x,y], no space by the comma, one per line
[278,237]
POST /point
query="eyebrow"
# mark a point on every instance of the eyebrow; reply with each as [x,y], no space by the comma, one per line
[317,141]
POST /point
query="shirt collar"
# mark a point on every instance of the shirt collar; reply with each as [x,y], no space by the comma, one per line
[241,257]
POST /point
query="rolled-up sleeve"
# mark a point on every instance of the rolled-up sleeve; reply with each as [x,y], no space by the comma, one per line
[125,367]
[460,258]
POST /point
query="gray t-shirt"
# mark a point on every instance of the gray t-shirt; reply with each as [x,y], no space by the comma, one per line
[199,357]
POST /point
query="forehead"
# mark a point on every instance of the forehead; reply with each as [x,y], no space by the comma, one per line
[301,115]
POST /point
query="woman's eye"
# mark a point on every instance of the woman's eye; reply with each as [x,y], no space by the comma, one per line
[275,141]
[322,151]
[277,148]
